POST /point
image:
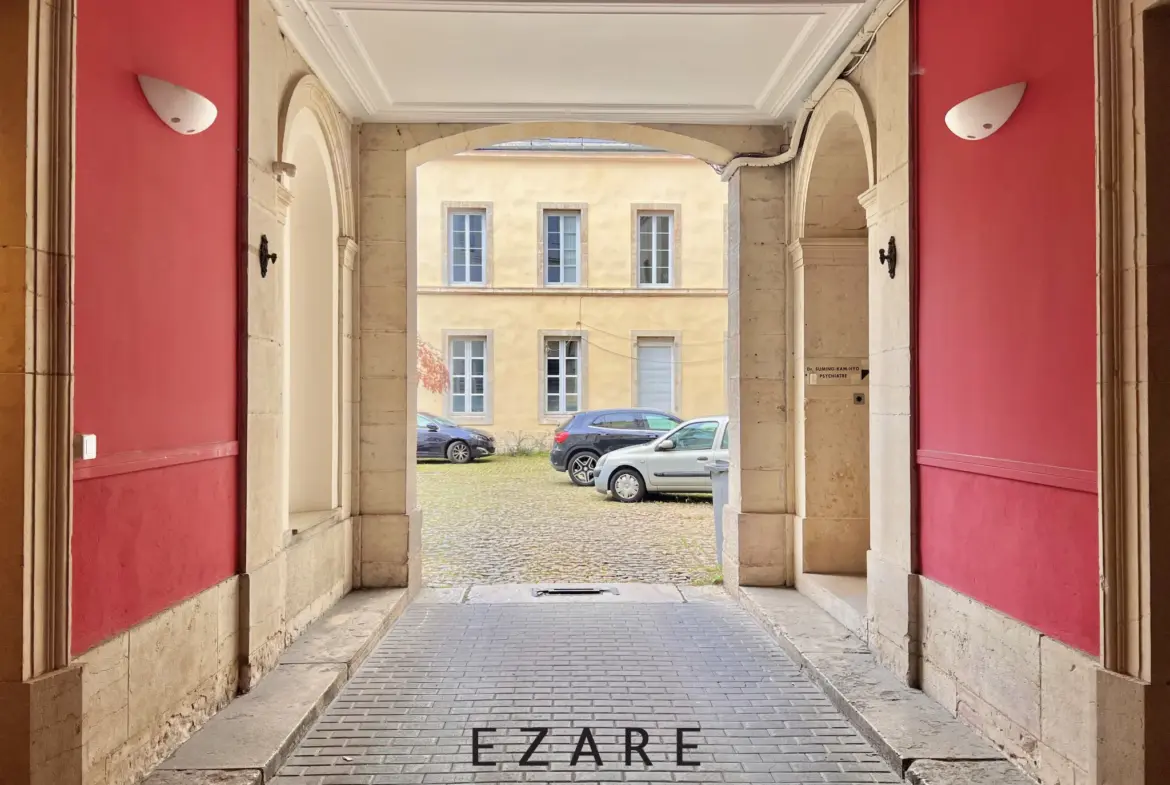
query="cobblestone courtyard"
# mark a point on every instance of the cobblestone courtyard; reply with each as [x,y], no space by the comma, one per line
[516,520]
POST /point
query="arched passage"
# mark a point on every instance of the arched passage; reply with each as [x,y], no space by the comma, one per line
[391,523]
[476,138]
[311,303]
[831,301]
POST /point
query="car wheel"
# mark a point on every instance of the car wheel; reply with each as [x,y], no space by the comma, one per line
[458,452]
[583,468]
[628,486]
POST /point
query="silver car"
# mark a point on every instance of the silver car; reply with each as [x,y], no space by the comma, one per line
[675,462]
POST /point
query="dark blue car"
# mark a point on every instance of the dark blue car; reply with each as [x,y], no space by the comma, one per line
[589,435]
[439,437]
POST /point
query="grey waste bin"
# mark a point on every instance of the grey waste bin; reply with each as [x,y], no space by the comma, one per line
[718,471]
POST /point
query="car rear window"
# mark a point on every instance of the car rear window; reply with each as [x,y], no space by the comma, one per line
[567,423]
[660,422]
[620,420]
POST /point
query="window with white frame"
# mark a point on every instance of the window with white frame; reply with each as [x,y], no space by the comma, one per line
[465,243]
[468,376]
[562,375]
[562,248]
[655,250]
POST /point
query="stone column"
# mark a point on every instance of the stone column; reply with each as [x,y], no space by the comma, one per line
[830,300]
[891,582]
[389,540]
[264,581]
[347,249]
[757,545]
[1132,695]
[41,695]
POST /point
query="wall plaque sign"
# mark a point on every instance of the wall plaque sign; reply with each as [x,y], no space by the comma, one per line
[835,372]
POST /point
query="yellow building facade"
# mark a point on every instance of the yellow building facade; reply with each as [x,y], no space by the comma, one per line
[561,280]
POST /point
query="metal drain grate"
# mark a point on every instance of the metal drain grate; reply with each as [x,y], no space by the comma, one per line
[561,591]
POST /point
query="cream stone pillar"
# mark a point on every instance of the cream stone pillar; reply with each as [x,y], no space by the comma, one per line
[891,580]
[40,694]
[1132,699]
[389,540]
[757,544]
[830,297]
[264,581]
[347,257]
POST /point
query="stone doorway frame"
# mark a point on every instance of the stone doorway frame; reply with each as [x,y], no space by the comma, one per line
[812,249]
[388,544]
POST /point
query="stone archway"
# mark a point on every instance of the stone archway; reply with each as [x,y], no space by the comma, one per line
[308,94]
[317,284]
[475,138]
[388,545]
[831,347]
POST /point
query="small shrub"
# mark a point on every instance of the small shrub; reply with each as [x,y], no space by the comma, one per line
[520,443]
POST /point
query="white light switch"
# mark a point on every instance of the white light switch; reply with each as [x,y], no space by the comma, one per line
[84,446]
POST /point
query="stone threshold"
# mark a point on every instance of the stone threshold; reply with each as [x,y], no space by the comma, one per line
[249,740]
[919,739]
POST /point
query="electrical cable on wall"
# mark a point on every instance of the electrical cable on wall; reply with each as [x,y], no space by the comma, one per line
[591,328]
[652,362]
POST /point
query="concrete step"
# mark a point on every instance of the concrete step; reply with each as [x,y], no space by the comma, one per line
[908,729]
[257,731]
[249,740]
[938,772]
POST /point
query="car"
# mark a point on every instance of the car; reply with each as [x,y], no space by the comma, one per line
[676,462]
[578,443]
[439,437]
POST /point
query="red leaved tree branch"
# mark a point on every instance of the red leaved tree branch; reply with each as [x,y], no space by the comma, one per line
[432,371]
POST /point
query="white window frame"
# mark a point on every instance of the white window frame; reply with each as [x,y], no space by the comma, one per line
[562,212]
[467,214]
[655,215]
[548,416]
[452,211]
[449,339]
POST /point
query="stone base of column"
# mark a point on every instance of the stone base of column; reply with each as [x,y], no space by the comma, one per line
[834,546]
[1132,725]
[757,549]
[892,607]
[40,729]
[389,551]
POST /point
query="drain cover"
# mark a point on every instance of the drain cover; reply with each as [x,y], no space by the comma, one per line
[573,590]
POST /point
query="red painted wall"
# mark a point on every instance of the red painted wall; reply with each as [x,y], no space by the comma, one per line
[155,312]
[1007,313]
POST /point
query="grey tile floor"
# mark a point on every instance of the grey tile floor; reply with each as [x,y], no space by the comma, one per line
[408,714]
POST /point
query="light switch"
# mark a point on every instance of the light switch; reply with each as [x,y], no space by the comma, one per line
[84,446]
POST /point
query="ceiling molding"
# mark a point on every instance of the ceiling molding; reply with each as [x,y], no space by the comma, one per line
[334,47]
[816,64]
[776,80]
[544,112]
[683,7]
[293,19]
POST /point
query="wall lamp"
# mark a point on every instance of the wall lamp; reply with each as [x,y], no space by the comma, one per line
[982,115]
[183,111]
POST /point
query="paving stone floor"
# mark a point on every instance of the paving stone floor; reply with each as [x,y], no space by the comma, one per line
[408,714]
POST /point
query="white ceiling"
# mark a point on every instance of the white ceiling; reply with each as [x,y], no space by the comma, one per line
[684,61]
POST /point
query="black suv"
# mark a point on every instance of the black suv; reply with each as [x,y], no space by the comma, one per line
[588,435]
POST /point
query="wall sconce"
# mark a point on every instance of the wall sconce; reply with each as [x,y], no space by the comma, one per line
[982,115]
[182,110]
